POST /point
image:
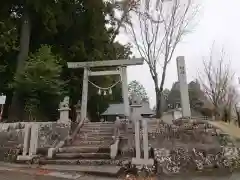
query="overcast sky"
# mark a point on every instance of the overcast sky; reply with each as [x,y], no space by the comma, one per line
[219,21]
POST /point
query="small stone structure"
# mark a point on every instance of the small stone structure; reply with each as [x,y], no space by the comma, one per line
[138,121]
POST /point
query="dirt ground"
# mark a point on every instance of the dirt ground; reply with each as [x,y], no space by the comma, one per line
[5,175]
[230,129]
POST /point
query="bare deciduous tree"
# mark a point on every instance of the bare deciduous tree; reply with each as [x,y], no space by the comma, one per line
[237,114]
[216,81]
[156,29]
[230,103]
[121,15]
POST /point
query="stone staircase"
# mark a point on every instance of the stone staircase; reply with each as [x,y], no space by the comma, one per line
[91,146]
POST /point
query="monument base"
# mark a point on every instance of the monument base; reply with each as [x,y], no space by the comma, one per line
[26,157]
[64,115]
[66,121]
[146,162]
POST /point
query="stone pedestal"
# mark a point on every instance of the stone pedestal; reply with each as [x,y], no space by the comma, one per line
[64,115]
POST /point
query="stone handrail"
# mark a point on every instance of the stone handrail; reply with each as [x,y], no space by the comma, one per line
[114,148]
[116,138]
[68,139]
[120,124]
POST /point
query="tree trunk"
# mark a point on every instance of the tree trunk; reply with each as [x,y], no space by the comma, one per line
[217,113]
[158,104]
[17,107]
[238,118]
[159,93]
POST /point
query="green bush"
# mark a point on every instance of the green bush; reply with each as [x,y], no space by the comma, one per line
[40,84]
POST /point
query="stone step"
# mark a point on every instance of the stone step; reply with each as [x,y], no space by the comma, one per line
[91,135]
[96,130]
[125,134]
[93,155]
[93,138]
[151,125]
[97,143]
[94,133]
[84,149]
[100,122]
[89,162]
[98,125]
[104,170]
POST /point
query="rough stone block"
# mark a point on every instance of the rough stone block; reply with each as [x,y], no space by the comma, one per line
[51,152]
[146,162]
[52,133]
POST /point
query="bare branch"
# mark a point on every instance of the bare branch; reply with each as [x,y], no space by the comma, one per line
[216,81]
[125,7]
[156,29]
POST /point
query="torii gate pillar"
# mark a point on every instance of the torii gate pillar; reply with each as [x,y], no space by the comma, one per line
[125,90]
[84,95]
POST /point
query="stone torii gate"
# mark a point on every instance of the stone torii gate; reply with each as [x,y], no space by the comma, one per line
[121,70]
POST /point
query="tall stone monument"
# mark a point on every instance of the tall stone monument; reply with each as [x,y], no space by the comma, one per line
[182,78]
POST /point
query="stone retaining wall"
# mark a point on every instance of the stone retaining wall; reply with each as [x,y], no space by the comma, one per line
[51,133]
[185,160]
[192,146]
[190,132]
[12,135]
